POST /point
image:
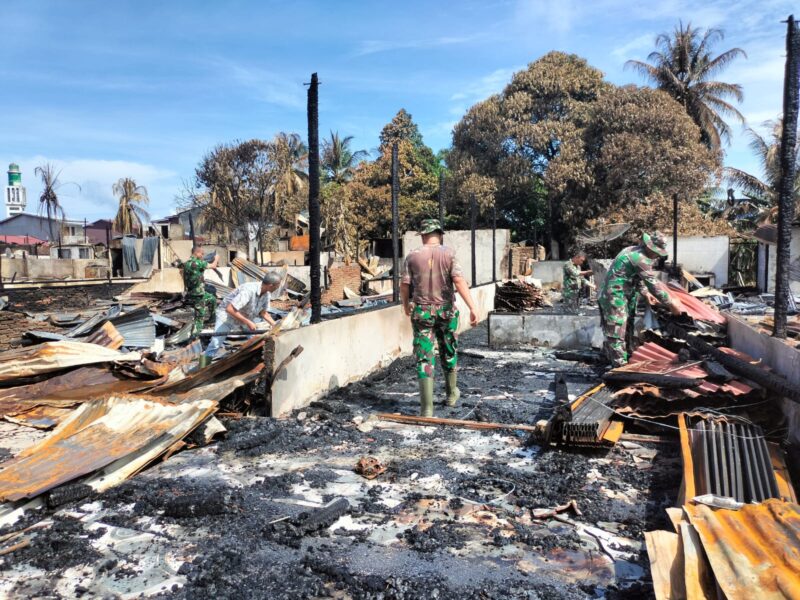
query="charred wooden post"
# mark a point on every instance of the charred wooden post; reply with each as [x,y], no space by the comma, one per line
[675,235]
[313,198]
[108,250]
[494,242]
[395,220]
[473,210]
[441,199]
[791,100]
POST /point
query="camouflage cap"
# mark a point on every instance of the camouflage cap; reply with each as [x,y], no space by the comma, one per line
[655,242]
[430,226]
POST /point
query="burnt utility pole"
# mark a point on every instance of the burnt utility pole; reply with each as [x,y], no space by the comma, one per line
[675,235]
[313,198]
[441,199]
[791,100]
[473,210]
[494,242]
[395,220]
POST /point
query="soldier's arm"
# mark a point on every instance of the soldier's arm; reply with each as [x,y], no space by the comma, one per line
[648,282]
[405,288]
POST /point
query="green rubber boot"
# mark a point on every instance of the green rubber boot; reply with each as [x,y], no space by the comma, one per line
[426,397]
[453,394]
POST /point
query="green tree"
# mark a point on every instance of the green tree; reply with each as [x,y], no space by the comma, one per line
[339,160]
[683,66]
[132,198]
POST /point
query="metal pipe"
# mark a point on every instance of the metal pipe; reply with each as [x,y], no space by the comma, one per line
[472,220]
[395,219]
[313,198]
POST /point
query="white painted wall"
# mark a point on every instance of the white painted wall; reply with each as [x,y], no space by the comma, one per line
[461,241]
[347,349]
[794,249]
[699,254]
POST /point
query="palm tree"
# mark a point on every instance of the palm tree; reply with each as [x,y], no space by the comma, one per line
[338,160]
[289,157]
[682,65]
[131,212]
[49,203]
[764,192]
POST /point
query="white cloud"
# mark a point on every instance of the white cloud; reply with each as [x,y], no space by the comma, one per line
[376,46]
[640,43]
[86,185]
[266,86]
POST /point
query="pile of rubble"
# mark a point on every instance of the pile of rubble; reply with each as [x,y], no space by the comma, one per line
[737,510]
[519,296]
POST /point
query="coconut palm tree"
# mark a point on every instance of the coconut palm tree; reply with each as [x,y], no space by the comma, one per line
[131,213]
[289,159]
[338,160]
[683,66]
[49,204]
[763,192]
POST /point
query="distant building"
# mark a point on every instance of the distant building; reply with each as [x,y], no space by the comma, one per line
[16,197]
[65,232]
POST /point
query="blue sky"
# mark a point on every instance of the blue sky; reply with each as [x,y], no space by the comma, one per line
[144,88]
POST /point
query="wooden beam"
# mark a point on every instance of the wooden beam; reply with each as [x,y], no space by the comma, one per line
[414,420]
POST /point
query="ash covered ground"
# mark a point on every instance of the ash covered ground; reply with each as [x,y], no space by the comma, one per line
[275,509]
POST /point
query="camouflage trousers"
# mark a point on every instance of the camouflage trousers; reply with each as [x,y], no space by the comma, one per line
[203,306]
[614,317]
[435,323]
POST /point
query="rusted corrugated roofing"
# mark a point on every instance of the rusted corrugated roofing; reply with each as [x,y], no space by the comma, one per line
[755,551]
[53,356]
[95,435]
[696,308]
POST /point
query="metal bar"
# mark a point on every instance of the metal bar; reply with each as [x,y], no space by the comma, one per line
[313,198]
[724,462]
[715,484]
[738,490]
[759,493]
[770,484]
[395,219]
[472,219]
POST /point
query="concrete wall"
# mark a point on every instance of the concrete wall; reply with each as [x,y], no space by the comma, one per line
[167,280]
[549,271]
[699,254]
[344,350]
[779,356]
[794,249]
[461,241]
[542,329]
[48,268]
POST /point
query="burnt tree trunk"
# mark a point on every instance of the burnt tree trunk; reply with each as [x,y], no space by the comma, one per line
[788,156]
[313,198]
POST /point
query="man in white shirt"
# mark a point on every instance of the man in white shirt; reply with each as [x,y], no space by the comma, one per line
[241,307]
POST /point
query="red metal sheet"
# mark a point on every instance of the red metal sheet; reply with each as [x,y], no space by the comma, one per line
[696,308]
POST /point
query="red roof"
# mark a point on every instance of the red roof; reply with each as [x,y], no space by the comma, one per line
[21,240]
[696,308]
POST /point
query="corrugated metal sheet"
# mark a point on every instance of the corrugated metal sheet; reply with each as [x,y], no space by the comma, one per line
[754,552]
[137,328]
[94,436]
[53,356]
[696,308]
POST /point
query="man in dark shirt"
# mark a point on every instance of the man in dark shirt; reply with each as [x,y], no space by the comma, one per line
[435,275]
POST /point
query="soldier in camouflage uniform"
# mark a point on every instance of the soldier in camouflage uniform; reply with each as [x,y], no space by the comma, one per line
[574,280]
[197,297]
[435,275]
[631,273]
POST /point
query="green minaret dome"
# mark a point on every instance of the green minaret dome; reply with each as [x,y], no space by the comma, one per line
[14,175]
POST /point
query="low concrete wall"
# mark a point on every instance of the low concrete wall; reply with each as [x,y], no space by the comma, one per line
[344,350]
[542,329]
[700,254]
[461,242]
[168,280]
[780,357]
